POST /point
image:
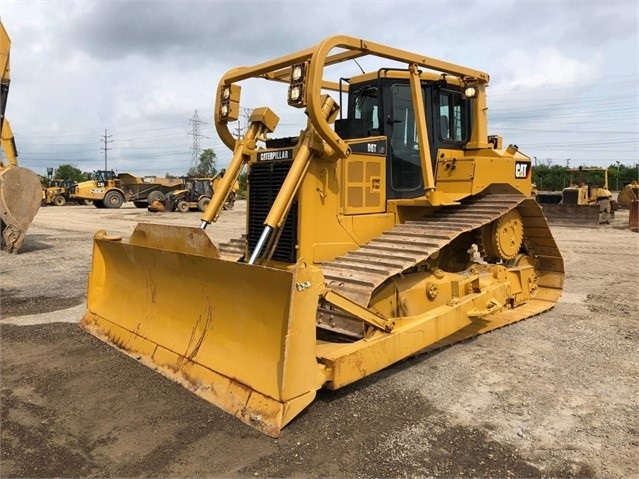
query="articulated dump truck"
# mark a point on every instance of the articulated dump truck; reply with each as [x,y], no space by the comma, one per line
[392,224]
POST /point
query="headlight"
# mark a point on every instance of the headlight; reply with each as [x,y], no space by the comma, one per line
[470,87]
[297,85]
[229,107]
[297,73]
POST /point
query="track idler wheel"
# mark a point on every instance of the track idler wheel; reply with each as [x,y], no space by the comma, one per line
[503,237]
[523,259]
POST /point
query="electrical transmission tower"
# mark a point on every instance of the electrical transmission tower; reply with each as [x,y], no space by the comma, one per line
[243,121]
[106,140]
[195,133]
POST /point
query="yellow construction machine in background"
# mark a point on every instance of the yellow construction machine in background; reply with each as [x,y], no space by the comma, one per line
[392,224]
[628,198]
[57,192]
[107,190]
[581,203]
[197,194]
[20,188]
[628,194]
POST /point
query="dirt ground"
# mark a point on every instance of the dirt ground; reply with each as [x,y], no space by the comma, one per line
[553,396]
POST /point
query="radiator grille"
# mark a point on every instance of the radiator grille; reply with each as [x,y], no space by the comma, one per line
[571,197]
[265,180]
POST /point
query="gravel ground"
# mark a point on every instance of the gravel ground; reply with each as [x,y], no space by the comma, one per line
[552,396]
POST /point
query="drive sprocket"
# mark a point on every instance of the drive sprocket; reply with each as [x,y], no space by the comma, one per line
[502,239]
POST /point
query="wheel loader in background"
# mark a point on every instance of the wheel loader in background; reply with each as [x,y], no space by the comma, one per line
[196,195]
[628,194]
[628,198]
[392,224]
[57,192]
[580,204]
[108,190]
[20,188]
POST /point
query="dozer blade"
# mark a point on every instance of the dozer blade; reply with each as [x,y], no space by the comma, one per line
[20,197]
[572,215]
[230,332]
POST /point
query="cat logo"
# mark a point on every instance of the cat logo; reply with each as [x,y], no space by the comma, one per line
[522,168]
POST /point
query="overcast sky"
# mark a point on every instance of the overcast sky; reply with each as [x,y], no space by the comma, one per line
[563,83]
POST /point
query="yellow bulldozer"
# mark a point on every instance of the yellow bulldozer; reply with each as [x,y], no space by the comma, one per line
[20,188]
[391,224]
[580,203]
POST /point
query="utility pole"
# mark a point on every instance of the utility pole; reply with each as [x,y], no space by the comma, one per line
[106,139]
[618,163]
[195,133]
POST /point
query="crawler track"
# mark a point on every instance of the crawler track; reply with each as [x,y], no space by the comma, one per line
[360,272]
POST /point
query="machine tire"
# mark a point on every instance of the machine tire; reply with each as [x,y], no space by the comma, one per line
[87,202]
[59,200]
[113,199]
[98,204]
[183,207]
[203,203]
[155,196]
[140,204]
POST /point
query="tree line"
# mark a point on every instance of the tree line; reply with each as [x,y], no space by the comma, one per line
[547,177]
[556,178]
[205,168]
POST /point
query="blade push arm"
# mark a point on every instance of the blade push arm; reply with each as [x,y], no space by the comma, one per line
[262,120]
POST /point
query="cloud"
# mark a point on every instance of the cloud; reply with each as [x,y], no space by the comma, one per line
[141,68]
[183,32]
[547,67]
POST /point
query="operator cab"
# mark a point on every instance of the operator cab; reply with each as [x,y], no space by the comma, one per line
[384,107]
[103,175]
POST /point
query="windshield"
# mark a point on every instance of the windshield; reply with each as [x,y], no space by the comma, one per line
[365,106]
[103,175]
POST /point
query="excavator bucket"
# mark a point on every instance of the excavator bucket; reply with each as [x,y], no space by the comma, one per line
[20,197]
[230,332]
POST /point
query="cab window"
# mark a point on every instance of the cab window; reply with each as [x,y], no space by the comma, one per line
[405,166]
[453,117]
[366,107]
